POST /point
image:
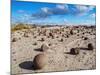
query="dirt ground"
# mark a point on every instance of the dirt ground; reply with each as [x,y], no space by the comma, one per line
[25,45]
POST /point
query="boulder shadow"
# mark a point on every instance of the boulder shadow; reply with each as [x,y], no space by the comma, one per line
[86,49]
[38,49]
[82,48]
[29,65]
[69,53]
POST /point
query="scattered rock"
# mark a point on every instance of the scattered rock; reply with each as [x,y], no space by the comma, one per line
[82,37]
[34,36]
[83,33]
[42,39]
[61,40]
[63,35]
[77,34]
[57,36]
[25,35]
[13,52]
[14,39]
[49,44]
[35,43]
[84,53]
[60,32]
[67,36]
[14,59]
[71,32]
[44,47]
[50,34]
[39,33]
[90,46]
[94,33]
[85,38]
[74,51]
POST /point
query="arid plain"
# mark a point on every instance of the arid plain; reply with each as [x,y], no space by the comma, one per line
[67,48]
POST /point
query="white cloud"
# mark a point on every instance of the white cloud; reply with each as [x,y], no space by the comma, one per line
[45,9]
[57,10]
[62,6]
[65,20]
[91,7]
[93,15]
[20,11]
[83,8]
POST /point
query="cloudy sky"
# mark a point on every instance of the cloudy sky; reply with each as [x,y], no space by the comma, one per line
[52,13]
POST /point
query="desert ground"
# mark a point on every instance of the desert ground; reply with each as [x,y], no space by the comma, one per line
[66,48]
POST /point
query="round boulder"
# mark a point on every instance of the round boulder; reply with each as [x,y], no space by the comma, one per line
[74,51]
[40,61]
[44,47]
[90,46]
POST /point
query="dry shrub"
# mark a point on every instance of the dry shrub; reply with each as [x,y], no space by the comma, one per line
[19,27]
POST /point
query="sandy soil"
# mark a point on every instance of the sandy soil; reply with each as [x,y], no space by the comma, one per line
[25,45]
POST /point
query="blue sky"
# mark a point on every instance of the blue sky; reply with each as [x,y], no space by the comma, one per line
[52,13]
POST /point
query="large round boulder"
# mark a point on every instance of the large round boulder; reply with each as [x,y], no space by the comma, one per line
[40,61]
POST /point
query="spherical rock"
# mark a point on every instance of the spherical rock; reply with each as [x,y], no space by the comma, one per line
[14,39]
[44,47]
[74,51]
[40,61]
[42,39]
[71,32]
[26,35]
[85,38]
[90,46]
[61,40]
[35,43]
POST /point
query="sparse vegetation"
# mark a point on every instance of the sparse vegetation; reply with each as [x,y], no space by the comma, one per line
[20,27]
